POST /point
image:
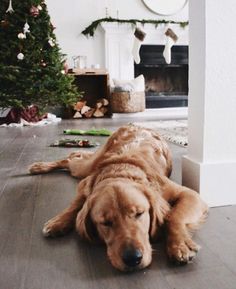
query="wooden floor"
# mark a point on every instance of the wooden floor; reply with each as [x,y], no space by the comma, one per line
[28,261]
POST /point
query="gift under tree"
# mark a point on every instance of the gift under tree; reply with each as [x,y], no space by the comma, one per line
[32,68]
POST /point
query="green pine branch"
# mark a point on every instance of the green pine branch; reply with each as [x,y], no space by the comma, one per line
[90,30]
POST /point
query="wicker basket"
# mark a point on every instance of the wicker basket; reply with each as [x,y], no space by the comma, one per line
[128,101]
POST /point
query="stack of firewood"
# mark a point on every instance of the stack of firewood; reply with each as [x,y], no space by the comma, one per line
[83,110]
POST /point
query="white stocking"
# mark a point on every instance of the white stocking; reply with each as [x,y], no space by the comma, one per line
[171,38]
[135,51]
[167,51]
[139,36]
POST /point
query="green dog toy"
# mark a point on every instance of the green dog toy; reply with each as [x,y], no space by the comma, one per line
[96,132]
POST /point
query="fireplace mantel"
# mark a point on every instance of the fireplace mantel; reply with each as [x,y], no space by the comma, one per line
[119,42]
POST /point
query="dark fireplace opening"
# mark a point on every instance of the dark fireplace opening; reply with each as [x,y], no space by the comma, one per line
[166,85]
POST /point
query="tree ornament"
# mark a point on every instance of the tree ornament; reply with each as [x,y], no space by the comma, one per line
[51,42]
[20,56]
[40,7]
[34,11]
[10,9]
[21,36]
[171,39]
[139,37]
[26,28]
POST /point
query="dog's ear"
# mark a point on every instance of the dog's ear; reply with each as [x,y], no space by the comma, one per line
[159,209]
[84,224]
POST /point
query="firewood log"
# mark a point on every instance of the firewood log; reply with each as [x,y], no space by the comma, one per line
[98,105]
[79,105]
[104,110]
[103,101]
[77,115]
[84,109]
[98,113]
[89,113]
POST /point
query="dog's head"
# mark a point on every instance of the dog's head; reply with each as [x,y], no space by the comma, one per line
[124,215]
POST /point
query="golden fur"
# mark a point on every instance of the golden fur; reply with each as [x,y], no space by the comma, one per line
[126,196]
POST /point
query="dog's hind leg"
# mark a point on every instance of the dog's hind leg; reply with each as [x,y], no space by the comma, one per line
[76,158]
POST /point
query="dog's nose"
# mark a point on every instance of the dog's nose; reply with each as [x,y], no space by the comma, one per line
[132,257]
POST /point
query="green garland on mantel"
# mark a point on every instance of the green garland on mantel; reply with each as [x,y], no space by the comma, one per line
[93,26]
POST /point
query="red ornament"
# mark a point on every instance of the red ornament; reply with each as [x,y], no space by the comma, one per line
[34,11]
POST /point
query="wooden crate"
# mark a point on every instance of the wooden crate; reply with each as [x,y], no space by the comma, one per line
[94,83]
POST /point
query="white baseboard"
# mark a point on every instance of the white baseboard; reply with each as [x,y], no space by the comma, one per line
[157,113]
[216,182]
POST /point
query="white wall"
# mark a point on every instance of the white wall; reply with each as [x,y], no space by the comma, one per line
[71,16]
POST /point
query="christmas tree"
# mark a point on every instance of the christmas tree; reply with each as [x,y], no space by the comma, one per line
[32,67]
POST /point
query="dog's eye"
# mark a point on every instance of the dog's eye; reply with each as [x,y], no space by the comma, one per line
[138,215]
[107,223]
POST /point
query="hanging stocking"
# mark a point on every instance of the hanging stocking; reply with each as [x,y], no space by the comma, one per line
[139,37]
[171,39]
[10,9]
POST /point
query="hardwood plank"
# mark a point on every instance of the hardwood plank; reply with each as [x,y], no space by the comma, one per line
[16,214]
[17,205]
[228,212]
[6,138]
[219,235]
[26,140]
[214,278]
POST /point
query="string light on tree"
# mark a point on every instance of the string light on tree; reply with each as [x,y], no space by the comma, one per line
[40,7]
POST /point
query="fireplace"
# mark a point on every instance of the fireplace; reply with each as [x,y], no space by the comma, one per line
[166,85]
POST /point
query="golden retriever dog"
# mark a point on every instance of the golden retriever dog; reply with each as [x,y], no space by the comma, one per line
[126,196]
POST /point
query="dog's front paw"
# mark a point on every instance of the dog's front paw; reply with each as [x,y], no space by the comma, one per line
[182,250]
[39,168]
[56,227]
